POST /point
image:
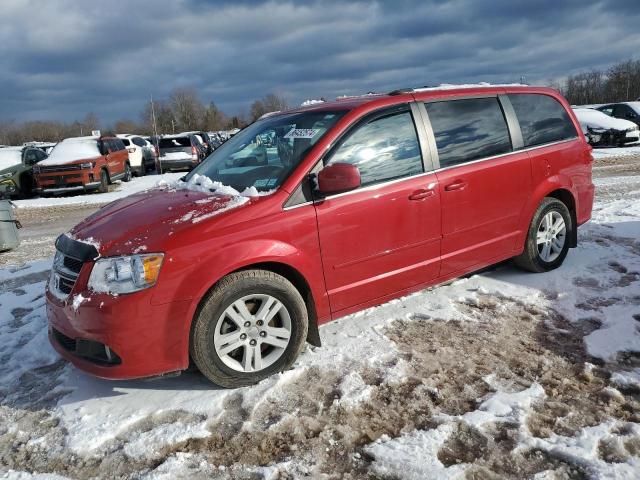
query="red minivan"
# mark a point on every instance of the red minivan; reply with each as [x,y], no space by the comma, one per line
[353,203]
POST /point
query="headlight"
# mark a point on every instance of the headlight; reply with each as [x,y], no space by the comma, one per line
[125,274]
[4,176]
[87,165]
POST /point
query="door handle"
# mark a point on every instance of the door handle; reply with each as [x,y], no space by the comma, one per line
[457,185]
[421,194]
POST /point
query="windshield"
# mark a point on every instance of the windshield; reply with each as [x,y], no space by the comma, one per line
[266,152]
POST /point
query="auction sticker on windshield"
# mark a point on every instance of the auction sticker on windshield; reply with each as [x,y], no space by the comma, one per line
[301,133]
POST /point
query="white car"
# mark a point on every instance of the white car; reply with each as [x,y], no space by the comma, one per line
[141,153]
[602,130]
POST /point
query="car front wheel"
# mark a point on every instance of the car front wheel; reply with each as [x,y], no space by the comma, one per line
[104,182]
[548,238]
[251,325]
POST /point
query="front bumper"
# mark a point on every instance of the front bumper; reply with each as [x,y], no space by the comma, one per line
[143,339]
[80,188]
[8,187]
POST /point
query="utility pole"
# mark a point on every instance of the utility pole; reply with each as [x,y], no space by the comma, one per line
[155,134]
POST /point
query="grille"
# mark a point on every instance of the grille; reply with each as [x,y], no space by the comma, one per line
[72,264]
[64,274]
[59,168]
[66,342]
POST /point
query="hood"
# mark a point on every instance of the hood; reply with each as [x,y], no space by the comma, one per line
[144,221]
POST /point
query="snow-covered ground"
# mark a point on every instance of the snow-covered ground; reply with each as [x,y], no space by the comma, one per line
[631,151]
[118,190]
[505,373]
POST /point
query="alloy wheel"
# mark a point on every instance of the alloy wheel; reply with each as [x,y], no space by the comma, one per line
[252,333]
[551,236]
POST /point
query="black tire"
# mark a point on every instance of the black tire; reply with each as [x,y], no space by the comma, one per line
[530,259]
[104,182]
[127,173]
[26,186]
[231,288]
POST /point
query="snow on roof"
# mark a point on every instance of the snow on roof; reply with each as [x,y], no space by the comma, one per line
[634,105]
[310,102]
[596,119]
[452,86]
[73,149]
[10,157]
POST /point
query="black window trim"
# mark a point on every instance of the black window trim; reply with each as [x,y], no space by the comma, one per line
[303,193]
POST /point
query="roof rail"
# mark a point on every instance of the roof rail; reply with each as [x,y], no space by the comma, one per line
[401,91]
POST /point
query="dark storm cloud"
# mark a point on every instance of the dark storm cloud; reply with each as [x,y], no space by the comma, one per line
[61,59]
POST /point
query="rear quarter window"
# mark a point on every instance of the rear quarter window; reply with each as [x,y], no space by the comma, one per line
[542,119]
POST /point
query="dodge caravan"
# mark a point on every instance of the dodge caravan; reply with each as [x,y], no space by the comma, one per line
[356,202]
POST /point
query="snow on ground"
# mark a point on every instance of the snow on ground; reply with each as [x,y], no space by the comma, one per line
[120,190]
[617,152]
[503,372]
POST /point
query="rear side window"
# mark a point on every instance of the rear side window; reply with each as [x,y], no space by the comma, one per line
[118,145]
[126,142]
[468,129]
[383,149]
[139,141]
[542,119]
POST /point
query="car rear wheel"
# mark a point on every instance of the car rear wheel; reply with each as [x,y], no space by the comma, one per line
[251,325]
[548,237]
[127,173]
[104,182]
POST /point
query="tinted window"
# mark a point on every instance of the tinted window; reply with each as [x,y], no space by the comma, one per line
[174,142]
[542,119]
[118,145]
[30,157]
[607,110]
[126,142]
[468,129]
[383,149]
[139,141]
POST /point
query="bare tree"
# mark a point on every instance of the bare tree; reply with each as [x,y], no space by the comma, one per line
[187,108]
[270,103]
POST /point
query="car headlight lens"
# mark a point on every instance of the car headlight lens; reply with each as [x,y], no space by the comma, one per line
[87,165]
[128,274]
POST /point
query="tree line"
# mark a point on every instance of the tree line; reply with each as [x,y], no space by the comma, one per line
[183,110]
[618,83]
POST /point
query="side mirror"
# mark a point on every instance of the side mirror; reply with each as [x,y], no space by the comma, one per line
[338,178]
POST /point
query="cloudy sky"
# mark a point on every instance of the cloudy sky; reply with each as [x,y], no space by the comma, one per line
[60,59]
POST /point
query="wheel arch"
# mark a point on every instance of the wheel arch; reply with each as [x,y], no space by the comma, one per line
[296,278]
[566,197]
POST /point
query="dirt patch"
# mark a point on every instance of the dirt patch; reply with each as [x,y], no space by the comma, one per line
[444,362]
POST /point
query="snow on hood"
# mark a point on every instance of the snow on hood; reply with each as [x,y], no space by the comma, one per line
[150,217]
[596,119]
[10,157]
[202,183]
[73,149]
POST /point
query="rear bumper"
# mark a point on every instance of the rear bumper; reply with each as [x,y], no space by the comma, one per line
[585,203]
[143,340]
[178,164]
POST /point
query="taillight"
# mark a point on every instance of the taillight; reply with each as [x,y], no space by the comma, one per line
[156,151]
[194,154]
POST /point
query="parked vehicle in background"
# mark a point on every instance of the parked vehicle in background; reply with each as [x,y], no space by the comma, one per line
[204,138]
[602,130]
[83,164]
[142,156]
[625,110]
[16,170]
[180,152]
[378,196]
[46,147]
